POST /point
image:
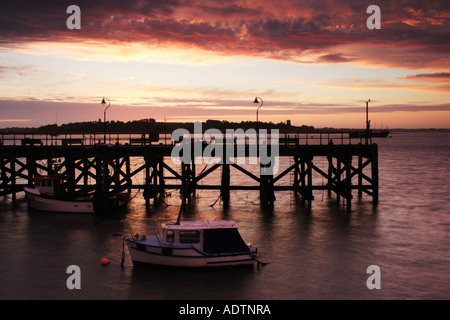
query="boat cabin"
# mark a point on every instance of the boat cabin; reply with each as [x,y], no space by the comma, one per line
[212,237]
[50,186]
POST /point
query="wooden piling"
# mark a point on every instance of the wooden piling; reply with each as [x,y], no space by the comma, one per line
[12,162]
[225,185]
[147,181]
[375,180]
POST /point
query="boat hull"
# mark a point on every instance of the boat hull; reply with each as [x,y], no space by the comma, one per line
[41,203]
[89,205]
[184,256]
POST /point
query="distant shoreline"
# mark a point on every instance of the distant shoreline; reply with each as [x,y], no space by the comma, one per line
[140,126]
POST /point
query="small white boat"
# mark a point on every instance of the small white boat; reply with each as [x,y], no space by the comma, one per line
[209,243]
[48,193]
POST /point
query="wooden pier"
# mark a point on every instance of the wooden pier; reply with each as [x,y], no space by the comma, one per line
[351,166]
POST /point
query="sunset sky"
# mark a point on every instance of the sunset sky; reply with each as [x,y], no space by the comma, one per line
[312,62]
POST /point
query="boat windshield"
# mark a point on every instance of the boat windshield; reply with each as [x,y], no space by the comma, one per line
[189,236]
[223,241]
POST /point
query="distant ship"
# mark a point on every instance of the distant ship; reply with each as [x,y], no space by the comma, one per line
[370,134]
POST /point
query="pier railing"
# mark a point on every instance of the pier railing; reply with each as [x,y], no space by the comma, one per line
[145,138]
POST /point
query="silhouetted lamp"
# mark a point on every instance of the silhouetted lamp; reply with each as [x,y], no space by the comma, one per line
[367,122]
[104,118]
[257,121]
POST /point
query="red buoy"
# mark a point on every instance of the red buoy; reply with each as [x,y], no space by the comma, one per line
[105,261]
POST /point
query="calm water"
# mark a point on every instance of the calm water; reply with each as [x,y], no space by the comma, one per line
[317,254]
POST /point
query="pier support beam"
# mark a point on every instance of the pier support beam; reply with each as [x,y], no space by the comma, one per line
[266,191]
[342,180]
[154,180]
[360,177]
[31,166]
[70,172]
[225,185]
[331,170]
[375,181]
[13,179]
[188,181]
[148,182]
[348,182]
[303,178]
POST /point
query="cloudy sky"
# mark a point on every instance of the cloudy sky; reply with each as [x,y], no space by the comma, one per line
[313,62]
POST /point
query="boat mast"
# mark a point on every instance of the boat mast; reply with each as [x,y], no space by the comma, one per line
[130,230]
[182,207]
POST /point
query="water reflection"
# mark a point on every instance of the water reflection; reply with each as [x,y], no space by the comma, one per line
[154,282]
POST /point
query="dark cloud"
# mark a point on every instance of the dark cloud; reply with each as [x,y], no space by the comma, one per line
[335,58]
[278,29]
[227,9]
[432,76]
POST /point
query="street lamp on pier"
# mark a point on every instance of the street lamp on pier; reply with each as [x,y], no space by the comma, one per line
[367,122]
[257,120]
[104,118]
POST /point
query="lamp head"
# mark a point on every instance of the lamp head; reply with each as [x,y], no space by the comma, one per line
[103,101]
[256,100]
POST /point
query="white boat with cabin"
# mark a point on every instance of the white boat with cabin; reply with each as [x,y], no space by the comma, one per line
[186,243]
[49,193]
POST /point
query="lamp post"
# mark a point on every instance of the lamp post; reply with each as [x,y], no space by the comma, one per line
[367,121]
[257,121]
[104,118]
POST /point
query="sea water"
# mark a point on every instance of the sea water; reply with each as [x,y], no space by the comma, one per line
[321,253]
